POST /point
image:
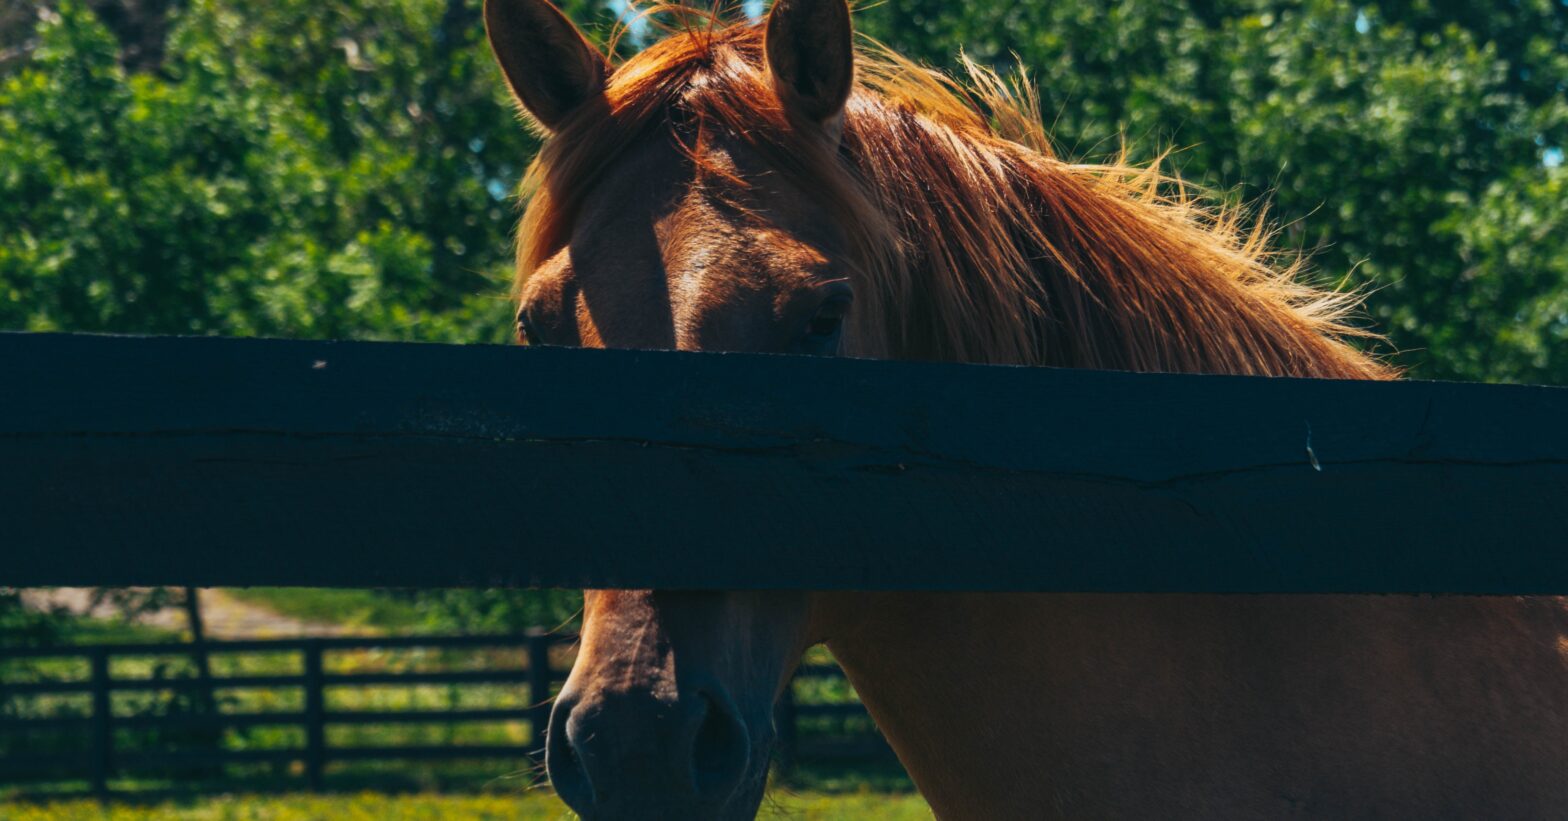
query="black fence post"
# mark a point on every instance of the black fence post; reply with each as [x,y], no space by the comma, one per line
[102,743]
[784,726]
[315,716]
[540,677]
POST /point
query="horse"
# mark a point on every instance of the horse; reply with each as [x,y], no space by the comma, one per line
[773,187]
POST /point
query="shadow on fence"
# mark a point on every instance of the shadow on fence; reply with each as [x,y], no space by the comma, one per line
[112,719]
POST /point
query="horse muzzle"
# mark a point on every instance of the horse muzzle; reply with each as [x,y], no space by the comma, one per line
[630,754]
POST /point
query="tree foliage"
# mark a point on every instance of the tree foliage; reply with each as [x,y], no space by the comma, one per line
[292,168]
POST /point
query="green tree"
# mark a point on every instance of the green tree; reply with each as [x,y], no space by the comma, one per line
[290,168]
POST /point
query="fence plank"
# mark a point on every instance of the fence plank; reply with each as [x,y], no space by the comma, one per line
[540,699]
[363,464]
[315,718]
[101,766]
[217,646]
[146,684]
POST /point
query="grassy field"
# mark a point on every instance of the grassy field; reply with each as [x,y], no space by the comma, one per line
[373,807]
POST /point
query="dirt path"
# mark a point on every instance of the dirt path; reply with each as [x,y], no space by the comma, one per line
[225,616]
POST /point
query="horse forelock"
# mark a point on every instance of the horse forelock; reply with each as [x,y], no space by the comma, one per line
[967,237]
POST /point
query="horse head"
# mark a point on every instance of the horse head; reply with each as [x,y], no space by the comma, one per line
[655,223]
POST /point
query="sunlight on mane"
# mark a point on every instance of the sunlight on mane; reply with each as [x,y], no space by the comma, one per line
[970,239]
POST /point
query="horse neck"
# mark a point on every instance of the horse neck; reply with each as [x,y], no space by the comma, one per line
[1008,705]
[926,666]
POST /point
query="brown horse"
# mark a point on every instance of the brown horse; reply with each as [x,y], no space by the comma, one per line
[767,188]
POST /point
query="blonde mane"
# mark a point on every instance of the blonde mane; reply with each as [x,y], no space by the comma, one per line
[970,240]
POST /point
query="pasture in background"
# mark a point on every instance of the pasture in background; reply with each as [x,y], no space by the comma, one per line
[162,716]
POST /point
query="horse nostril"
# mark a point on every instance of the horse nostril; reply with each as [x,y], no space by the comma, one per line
[609,755]
[561,760]
[720,750]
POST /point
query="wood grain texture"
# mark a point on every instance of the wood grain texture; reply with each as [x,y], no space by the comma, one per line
[173,461]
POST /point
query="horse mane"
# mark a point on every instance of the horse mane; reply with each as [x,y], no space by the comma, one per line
[970,239]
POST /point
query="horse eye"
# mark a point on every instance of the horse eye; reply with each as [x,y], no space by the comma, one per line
[830,318]
[525,332]
[826,325]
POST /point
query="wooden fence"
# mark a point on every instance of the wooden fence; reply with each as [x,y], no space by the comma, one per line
[99,757]
[264,462]
[222,462]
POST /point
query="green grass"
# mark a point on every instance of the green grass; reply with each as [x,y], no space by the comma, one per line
[355,609]
[537,806]
[846,778]
[74,630]
[118,631]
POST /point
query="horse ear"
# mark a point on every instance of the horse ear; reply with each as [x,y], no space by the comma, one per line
[811,56]
[549,65]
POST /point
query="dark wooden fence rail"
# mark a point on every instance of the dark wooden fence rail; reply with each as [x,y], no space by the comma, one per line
[244,462]
[98,759]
